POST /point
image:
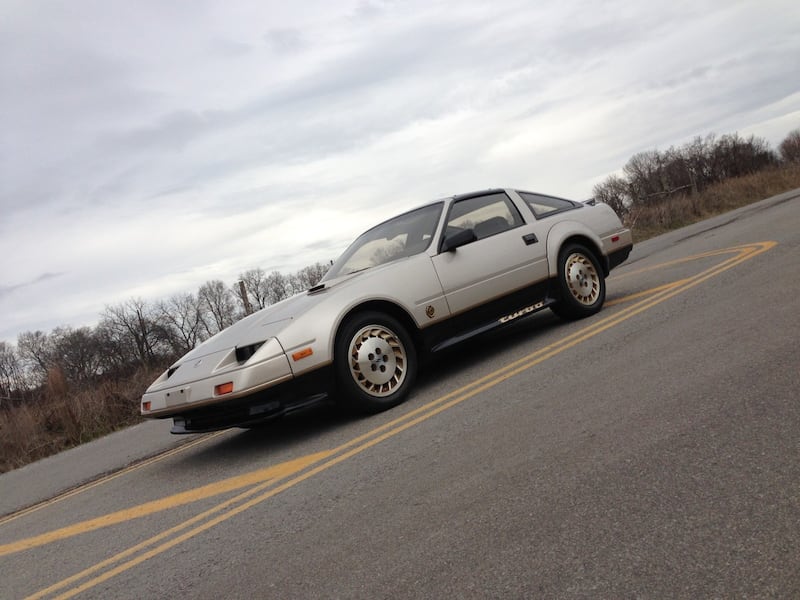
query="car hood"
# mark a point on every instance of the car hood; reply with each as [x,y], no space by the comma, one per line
[267,322]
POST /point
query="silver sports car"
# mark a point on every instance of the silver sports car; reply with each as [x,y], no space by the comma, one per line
[411,286]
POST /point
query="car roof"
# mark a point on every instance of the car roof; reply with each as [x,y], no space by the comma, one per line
[486,192]
[449,199]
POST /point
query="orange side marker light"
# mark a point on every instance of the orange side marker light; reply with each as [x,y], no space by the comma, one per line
[223,388]
[302,354]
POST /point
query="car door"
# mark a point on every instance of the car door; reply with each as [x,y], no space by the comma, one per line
[506,255]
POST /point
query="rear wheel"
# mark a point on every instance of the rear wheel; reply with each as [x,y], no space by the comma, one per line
[375,362]
[581,284]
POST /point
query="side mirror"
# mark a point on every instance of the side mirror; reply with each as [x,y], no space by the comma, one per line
[462,238]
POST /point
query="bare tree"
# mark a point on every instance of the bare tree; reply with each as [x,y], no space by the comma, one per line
[35,348]
[77,353]
[614,191]
[218,304]
[653,176]
[790,147]
[734,156]
[119,357]
[644,176]
[309,276]
[137,325]
[277,286]
[255,285]
[11,372]
[182,316]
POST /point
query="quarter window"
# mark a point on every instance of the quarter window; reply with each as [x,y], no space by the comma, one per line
[547,205]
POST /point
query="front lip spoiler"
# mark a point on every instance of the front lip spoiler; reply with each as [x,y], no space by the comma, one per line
[256,415]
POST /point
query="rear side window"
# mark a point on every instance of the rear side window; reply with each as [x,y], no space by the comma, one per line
[543,206]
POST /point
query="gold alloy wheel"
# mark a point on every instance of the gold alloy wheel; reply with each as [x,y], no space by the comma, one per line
[377,360]
[582,278]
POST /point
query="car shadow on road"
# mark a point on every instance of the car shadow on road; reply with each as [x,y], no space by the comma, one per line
[514,339]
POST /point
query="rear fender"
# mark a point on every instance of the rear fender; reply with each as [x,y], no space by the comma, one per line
[566,231]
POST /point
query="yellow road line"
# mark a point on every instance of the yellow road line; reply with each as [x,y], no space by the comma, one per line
[677,261]
[105,479]
[369,439]
[649,292]
[149,508]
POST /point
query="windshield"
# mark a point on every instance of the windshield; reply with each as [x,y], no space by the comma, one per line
[406,235]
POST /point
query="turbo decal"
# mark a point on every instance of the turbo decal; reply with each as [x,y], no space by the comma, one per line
[521,312]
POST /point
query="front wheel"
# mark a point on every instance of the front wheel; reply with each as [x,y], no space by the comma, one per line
[581,284]
[375,362]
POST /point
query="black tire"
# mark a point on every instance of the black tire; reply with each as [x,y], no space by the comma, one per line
[375,362]
[581,283]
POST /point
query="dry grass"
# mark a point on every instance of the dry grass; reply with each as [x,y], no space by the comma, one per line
[673,213]
[58,418]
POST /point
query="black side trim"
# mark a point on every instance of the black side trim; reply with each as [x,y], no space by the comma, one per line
[520,314]
[498,313]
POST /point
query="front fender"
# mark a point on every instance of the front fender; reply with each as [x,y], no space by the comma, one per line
[409,284]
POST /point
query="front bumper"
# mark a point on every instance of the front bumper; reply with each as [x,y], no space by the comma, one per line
[285,398]
[198,382]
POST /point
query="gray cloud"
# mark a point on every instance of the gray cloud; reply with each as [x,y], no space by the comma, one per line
[7,289]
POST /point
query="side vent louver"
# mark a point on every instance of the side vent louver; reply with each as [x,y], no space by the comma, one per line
[244,353]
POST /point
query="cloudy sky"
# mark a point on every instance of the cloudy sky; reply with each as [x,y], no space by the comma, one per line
[147,146]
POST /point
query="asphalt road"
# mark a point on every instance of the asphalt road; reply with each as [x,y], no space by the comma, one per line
[651,451]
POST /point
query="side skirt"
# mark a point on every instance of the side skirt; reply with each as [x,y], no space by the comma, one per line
[499,313]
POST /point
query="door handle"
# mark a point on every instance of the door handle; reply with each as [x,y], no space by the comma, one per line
[529,239]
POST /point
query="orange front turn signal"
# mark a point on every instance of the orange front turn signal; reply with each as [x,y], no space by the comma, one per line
[302,354]
[223,388]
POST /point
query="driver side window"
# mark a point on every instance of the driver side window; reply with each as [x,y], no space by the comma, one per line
[485,215]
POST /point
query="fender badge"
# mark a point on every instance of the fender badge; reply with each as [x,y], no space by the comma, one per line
[430,311]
